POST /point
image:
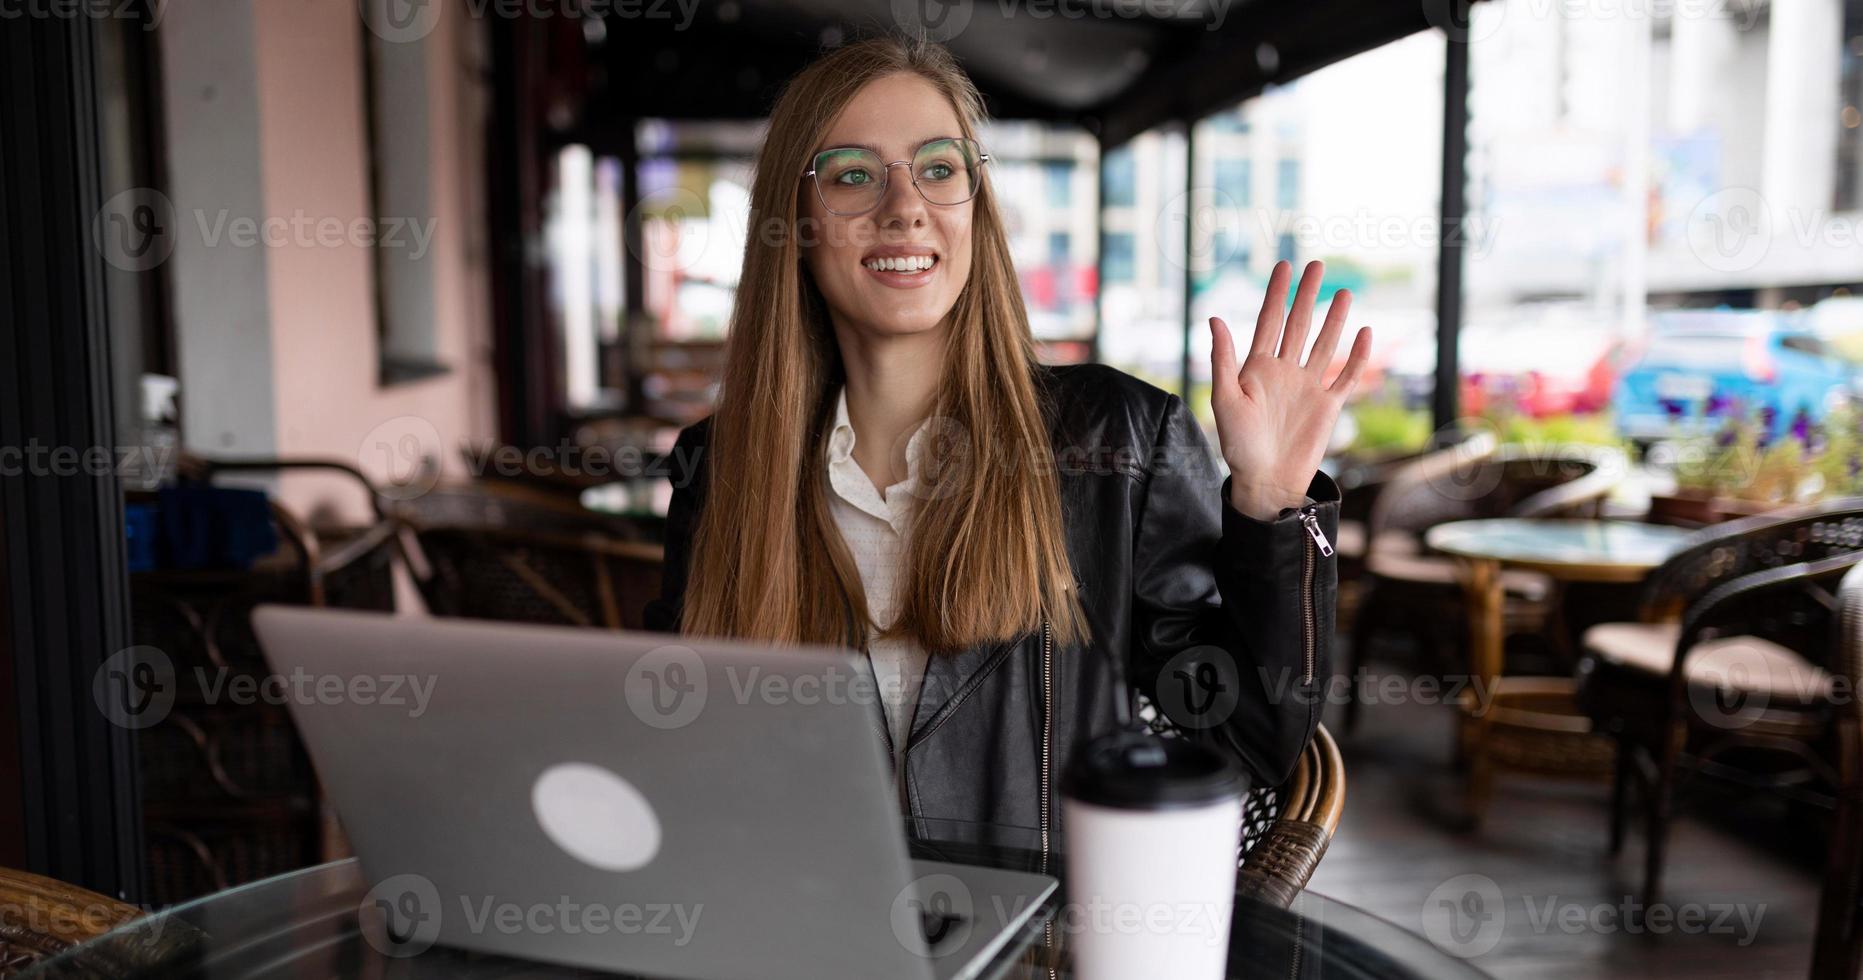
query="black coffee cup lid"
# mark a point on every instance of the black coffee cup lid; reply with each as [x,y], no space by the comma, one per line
[1132,771]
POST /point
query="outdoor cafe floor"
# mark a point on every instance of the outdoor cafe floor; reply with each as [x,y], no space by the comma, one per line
[1545,846]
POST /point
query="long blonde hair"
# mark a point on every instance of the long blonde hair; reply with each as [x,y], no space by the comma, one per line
[986,557]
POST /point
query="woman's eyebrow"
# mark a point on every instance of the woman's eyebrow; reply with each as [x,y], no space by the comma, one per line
[876,150]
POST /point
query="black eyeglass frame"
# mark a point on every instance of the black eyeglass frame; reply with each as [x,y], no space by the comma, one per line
[886,171]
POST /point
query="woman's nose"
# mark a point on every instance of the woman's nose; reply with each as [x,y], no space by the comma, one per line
[902,202]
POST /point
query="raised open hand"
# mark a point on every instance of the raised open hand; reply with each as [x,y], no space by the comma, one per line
[1275,415]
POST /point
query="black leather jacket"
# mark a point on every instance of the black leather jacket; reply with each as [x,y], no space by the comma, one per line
[1222,621]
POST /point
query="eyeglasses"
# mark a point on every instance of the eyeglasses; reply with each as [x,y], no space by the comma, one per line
[851,180]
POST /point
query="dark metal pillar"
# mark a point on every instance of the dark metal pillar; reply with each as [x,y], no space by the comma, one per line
[1190,243]
[1443,402]
[67,773]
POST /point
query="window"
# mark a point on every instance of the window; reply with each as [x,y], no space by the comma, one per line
[1287,185]
[1232,181]
[1121,175]
[1060,184]
[394,79]
[1119,258]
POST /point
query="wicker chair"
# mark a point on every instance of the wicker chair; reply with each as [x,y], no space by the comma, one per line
[486,553]
[1286,828]
[1362,480]
[1279,860]
[47,917]
[1407,590]
[1837,953]
[229,795]
[1755,600]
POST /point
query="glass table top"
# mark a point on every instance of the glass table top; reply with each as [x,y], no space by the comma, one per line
[307,923]
[1545,542]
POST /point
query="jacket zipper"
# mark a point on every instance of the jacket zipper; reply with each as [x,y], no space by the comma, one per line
[1316,540]
[1047,725]
[1047,756]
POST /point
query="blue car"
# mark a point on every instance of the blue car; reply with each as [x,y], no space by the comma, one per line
[1701,367]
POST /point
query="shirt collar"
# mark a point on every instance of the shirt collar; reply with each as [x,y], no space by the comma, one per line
[851,482]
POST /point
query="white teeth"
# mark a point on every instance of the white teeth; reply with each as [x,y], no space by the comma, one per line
[904,263]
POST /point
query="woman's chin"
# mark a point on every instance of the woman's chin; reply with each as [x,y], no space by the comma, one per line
[905,323]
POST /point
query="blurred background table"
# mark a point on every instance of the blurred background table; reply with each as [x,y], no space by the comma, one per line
[1533,724]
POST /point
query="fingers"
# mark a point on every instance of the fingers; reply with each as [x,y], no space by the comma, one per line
[1355,364]
[1328,342]
[1268,324]
[1300,318]
[1222,357]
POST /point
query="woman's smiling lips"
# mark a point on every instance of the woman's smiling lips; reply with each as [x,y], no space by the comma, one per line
[901,266]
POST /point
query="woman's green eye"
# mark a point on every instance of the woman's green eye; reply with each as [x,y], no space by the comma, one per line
[938,171]
[854,177]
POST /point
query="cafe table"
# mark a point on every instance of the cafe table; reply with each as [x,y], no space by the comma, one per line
[307,923]
[1533,724]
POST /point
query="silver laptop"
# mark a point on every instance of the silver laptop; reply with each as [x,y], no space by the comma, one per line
[636,802]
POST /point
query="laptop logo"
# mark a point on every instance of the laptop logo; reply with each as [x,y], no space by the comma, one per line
[400,917]
[666,687]
[596,817]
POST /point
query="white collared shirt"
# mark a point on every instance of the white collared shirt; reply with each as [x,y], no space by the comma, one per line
[875,526]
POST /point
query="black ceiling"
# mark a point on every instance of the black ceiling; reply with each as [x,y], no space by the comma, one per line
[1117,67]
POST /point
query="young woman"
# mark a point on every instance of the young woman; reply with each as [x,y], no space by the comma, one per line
[1041,531]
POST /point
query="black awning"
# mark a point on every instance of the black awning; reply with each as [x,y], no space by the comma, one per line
[1116,67]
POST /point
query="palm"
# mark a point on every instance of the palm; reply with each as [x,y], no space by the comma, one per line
[1275,415]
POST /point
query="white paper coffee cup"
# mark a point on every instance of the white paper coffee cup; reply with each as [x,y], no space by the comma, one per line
[1153,828]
